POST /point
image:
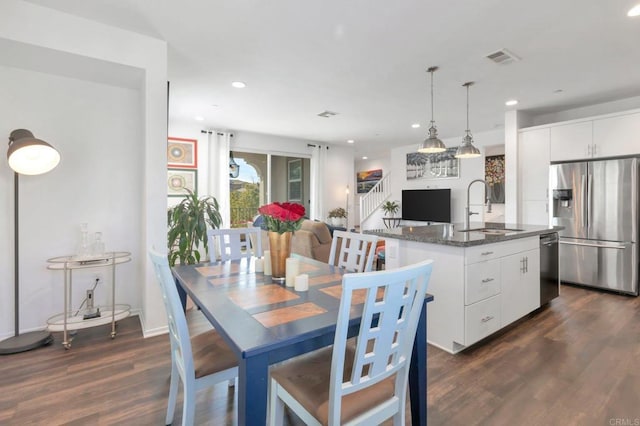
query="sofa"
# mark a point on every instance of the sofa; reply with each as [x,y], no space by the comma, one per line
[312,240]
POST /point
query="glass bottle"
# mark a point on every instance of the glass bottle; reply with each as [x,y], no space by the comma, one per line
[98,245]
[84,249]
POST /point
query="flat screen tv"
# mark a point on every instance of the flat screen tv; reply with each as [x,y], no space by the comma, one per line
[429,205]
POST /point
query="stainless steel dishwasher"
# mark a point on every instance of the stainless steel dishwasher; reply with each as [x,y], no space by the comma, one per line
[549,268]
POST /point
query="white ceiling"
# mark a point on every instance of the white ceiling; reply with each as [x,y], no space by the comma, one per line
[366,60]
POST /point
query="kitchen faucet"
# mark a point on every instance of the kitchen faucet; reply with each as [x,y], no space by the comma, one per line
[487,196]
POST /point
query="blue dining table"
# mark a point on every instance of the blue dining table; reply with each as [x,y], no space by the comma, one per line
[264,323]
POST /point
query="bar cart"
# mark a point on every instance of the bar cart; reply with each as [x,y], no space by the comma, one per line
[72,319]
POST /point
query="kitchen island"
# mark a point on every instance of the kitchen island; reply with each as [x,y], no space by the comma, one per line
[483,278]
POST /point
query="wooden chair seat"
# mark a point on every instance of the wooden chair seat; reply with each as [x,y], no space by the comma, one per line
[211,354]
[307,379]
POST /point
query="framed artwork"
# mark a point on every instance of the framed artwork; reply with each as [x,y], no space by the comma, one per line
[367,180]
[182,153]
[294,178]
[443,165]
[494,176]
[178,180]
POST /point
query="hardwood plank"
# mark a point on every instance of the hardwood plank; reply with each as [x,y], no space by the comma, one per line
[573,363]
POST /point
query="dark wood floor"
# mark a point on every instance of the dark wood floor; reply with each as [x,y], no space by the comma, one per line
[576,362]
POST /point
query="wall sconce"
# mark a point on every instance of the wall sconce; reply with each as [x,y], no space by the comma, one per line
[28,156]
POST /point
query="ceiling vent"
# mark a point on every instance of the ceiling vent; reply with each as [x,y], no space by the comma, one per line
[503,57]
[327,114]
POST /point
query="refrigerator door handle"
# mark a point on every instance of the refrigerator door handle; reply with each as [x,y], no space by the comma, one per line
[618,246]
[583,193]
[589,197]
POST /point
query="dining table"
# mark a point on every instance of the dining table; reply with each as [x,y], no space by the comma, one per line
[265,322]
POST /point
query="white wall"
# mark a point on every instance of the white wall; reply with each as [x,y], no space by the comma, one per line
[113,146]
[96,128]
[584,112]
[340,162]
[470,169]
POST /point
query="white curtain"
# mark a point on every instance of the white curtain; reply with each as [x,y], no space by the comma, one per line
[218,176]
[318,170]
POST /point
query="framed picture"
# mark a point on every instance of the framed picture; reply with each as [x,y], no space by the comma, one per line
[443,165]
[367,180]
[178,180]
[294,192]
[494,176]
[182,153]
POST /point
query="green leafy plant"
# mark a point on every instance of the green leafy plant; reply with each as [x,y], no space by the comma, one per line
[338,212]
[188,223]
[390,207]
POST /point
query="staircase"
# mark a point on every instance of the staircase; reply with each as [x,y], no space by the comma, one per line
[373,199]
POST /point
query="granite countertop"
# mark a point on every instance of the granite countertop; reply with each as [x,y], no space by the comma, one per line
[454,234]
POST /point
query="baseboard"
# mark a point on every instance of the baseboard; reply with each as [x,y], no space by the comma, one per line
[152,331]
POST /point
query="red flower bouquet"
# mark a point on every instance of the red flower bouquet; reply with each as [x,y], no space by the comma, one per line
[282,217]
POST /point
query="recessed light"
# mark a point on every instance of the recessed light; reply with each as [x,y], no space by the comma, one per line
[365,158]
[634,11]
[198,118]
[511,102]
[350,141]
[415,125]
[239,84]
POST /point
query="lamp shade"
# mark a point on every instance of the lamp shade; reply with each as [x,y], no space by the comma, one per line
[30,156]
[432,144]
[466,148]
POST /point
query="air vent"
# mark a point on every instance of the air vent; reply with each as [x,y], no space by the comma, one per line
[503,57]
[327,114]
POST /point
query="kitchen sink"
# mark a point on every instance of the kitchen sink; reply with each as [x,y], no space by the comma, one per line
[492,231]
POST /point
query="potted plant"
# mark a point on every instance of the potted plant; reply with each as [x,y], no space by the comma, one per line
[337,216]
[390,208]
[188,222]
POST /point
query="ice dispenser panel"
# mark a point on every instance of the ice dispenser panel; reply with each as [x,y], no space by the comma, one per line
[562,201]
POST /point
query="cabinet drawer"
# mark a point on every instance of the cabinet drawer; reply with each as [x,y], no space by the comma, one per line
[481,319]
[482,280]
[482,253]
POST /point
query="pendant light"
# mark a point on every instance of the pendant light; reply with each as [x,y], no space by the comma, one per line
[432,144]
[466,148]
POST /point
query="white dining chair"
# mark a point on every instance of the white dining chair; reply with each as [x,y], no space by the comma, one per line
[235,243]
[363,383]
[199,362]
[356,251]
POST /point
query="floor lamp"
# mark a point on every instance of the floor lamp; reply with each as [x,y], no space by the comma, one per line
[28,156]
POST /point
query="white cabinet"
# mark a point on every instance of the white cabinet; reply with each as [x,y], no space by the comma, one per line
[520,285]
[482,319]
[533,164]
[616,136]
[572,141]
[502,284]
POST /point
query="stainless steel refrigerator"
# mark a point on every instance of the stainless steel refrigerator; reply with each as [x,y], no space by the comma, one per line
[597,203]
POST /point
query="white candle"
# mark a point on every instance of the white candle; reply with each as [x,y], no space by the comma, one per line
[302,282]
[259,265]
[293,268]
[267,262]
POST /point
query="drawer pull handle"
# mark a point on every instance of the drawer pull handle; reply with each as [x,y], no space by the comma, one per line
[486,253]
[487,280]
[486,319]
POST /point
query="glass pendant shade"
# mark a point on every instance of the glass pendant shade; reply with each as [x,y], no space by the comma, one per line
[30,156]
[432,144]
[234,168]
[466,148]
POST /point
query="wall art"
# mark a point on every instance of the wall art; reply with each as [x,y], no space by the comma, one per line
[367,180]
[182,153]
[443,165]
